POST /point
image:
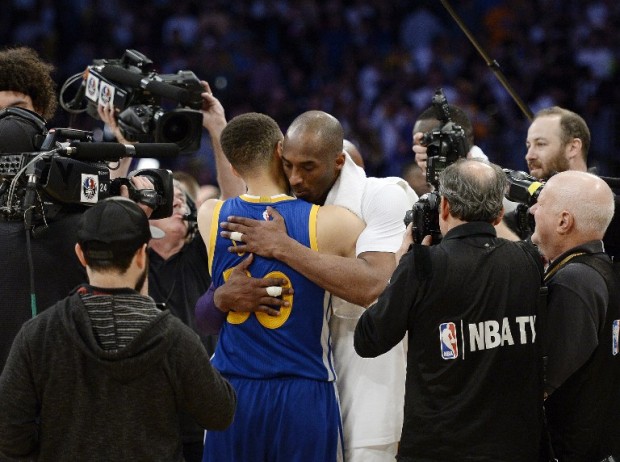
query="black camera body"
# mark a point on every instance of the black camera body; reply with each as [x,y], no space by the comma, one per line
[425,218]
[36,185]
[138,92]
[444,146]
[524,189]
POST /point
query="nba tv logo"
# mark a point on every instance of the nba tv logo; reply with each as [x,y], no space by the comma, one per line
[448,340]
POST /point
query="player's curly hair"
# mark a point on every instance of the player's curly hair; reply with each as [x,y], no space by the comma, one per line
[23,71]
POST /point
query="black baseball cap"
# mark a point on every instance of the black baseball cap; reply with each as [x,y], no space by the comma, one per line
[117,223]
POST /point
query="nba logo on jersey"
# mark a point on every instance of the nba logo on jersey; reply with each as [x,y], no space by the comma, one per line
[615,337]
[448,340]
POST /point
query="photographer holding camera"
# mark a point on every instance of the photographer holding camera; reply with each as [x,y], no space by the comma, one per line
[442,134]
[469,304]
[431,119]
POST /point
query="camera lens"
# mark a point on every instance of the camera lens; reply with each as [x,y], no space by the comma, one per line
[176,128]
[181,126]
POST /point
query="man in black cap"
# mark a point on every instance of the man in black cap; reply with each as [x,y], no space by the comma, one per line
[103,374]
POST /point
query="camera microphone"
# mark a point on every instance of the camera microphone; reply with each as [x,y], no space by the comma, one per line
[126,77]
[115,151]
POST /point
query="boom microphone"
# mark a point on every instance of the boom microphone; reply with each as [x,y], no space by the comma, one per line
[114,151]
[125,77]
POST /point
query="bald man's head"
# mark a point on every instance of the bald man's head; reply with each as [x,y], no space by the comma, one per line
[574,207]
[353,152]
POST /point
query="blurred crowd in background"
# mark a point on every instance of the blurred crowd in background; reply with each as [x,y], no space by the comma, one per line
[374,64]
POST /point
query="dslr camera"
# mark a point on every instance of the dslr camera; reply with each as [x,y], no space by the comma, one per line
[524,189]
[71,175]
[444,146]
[132,85]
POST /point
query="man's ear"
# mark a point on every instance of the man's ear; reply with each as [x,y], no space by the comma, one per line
[565,223]
[499,218]
[340,160]
[278,150]
[444,208]
[573,148]
[140,256]
[80,254]
[235,171]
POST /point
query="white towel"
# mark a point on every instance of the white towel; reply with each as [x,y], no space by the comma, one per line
[348,189]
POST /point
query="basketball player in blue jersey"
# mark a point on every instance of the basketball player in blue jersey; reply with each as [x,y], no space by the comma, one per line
[281,366]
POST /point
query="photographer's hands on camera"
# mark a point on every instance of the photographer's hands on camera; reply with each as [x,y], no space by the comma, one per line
[142,184]
[146,189]
[213,116]
[408,241]
[420,151]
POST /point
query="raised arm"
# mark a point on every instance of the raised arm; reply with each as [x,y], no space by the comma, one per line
[108,115]
[214,120]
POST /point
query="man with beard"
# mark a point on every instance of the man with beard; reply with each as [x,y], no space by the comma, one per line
[104,374]
[558,140]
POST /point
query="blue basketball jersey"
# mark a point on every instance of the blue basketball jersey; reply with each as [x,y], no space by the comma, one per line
[258,346]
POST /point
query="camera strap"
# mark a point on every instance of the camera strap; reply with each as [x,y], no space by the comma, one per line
[422,259]
[557,267]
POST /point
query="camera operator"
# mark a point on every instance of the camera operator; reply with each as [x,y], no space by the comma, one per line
[26,83]
[430,119]
[39,271]
[581,338]
[474,372]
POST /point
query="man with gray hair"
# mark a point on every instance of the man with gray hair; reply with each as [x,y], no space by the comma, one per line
[469,304]
[581,339]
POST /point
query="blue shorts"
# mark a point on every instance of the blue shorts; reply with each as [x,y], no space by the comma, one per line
[280,420]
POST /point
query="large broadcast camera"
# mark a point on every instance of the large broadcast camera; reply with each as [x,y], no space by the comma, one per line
[133,87]
[74,174]
[444,146]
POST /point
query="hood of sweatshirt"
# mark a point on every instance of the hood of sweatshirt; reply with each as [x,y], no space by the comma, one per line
[145,351]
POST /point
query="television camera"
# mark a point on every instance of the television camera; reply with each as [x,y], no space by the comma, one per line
[132,86]
[444,146]
[70,175]
[523,189]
